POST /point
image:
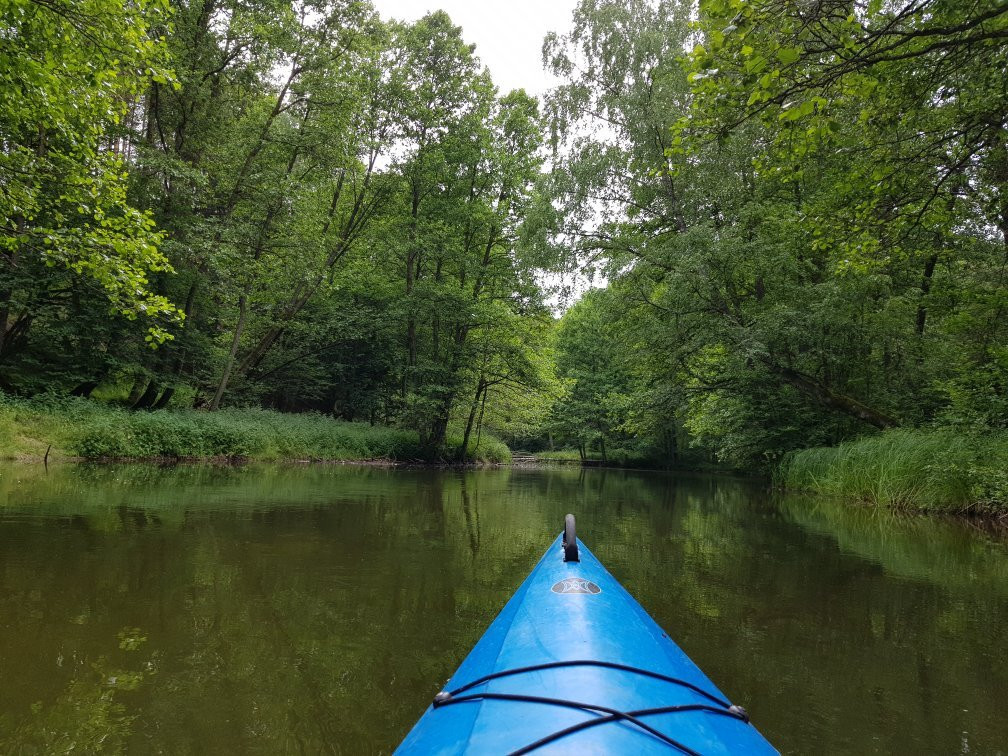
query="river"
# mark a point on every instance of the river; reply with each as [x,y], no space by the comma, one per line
[287,609]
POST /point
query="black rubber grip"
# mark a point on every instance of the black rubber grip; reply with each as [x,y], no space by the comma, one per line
[570,540]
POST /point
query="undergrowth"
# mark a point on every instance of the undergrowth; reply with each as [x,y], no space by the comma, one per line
[83,428]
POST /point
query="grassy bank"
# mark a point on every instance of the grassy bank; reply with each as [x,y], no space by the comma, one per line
[88,429]
[631,459]
[614,458]
[933,471]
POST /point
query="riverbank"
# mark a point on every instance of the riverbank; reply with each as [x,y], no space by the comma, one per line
[83,429]
[940,471]
[625,459]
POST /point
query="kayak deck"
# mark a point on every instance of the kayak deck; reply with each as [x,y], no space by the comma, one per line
[578,654]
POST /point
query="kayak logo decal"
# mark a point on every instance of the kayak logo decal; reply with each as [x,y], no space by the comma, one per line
[576,585]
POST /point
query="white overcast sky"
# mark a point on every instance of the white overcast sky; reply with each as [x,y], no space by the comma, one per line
[508,34]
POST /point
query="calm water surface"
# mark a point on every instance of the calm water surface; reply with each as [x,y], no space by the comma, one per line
[318,609]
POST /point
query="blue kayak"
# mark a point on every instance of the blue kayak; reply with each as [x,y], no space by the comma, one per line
[573,664]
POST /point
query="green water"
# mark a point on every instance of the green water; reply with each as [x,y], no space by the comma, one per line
[318,609]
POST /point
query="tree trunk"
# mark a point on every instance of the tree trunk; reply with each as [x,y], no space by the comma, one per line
[246,168]
[411,335]
[84,389]
[929,266]
[360,213]
[139,384]
[436,320]
[229,365]
[437,433]
[178,360]
[149,396]
[5,296]
[479,422]
[412,273]
[480,388]
[671,445]
[411,341]
[830,398]
[165,397]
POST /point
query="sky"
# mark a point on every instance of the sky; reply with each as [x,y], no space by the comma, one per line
[508,34]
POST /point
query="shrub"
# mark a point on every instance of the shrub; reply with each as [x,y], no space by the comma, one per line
[490,450]
[103,438]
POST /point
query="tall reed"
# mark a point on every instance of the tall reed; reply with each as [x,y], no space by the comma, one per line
[931,470]
[82,428]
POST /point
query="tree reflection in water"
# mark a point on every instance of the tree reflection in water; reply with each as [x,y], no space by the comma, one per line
[290,609]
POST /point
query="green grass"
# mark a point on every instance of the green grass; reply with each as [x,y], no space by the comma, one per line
[628,458]
[614,457]
[926,470]
[559,455]
[92,430]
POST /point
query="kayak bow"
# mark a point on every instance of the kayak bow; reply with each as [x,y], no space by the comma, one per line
[574,663]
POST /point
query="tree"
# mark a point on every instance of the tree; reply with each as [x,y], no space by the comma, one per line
[790,273]
[466,165]
[589,366]
[71,73]
[512,372]
[900,109]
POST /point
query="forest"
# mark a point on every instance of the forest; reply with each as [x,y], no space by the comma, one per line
[220,215]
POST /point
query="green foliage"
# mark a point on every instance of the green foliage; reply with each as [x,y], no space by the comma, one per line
[592,375]
[942,471]
[878,127]
[486,449]
[340,200]
[802,222]
[470,305]
[69,75]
